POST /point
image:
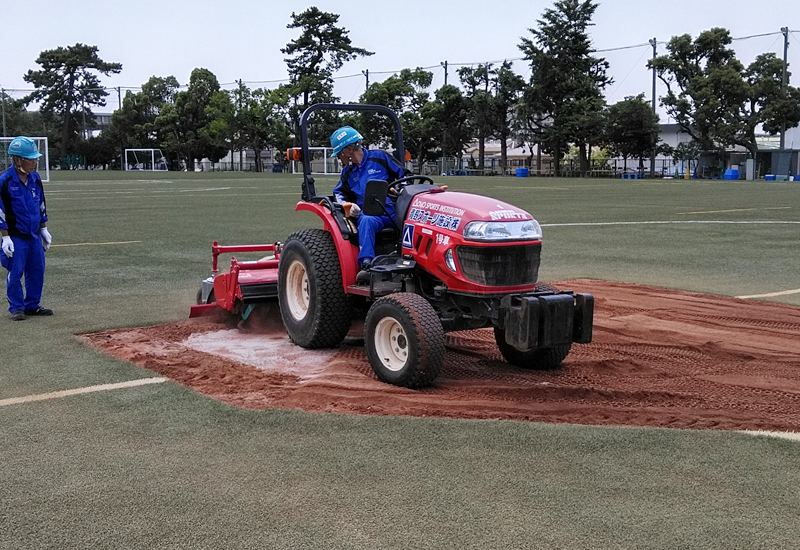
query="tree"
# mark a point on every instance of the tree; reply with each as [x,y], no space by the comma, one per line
[20,122]
[715,99]
[196,125]
[631,128]
[259,121]
[449,114]
[507,89]
[565,100]
[315,56]
[134,124]
[67,87]
[481,103]
[405,94]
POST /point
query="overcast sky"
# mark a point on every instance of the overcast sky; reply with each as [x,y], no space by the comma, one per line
[242,39]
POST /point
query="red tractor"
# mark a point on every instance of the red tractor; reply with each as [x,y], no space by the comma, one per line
[454,261]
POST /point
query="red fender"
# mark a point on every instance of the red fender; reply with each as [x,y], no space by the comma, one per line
[348,252]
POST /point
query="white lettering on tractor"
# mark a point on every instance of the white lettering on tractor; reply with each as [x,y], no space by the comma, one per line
[507,215]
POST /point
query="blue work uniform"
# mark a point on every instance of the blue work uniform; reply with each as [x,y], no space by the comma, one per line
[22,211]
[376,165]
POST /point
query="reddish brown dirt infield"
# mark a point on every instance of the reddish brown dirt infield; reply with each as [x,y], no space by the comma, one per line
[659,358]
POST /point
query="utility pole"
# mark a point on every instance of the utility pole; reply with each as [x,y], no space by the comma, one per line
[239,101]
[444,64]
[653,43]
[366,74]
[3,100]
[785,80]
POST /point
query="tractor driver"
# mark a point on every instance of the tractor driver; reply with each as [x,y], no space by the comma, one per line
[23,226]
[359,166]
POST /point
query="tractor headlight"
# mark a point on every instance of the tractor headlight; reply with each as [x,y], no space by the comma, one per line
[449,260]
[525,230]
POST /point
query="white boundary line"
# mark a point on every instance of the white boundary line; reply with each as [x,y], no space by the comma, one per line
[771,294]
[794,436]
[78,391]
[667,222]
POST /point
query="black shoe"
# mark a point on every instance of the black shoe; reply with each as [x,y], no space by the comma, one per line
[39,311]
[17,316]
[363,277]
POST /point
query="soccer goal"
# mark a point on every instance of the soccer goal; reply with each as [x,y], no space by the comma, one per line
[321,162]
[145,159]
[44,160]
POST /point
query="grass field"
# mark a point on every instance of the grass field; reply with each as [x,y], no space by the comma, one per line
[158,466]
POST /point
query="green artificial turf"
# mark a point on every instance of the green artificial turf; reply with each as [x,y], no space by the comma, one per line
[159,466]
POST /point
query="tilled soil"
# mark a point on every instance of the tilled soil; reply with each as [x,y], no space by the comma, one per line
[659,358]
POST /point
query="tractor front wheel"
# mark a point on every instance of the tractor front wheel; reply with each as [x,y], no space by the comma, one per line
[314,307]
[535,359]
[404,340]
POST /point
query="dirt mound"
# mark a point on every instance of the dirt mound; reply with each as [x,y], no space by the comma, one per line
[659,358]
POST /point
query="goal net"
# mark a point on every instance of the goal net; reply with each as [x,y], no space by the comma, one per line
[145,159]
[321,162]
[44,160]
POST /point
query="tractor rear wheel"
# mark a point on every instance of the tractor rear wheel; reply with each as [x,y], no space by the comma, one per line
[314,307]
[404,340]
[535,359]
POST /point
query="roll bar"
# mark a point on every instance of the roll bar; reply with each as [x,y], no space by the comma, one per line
[309,190]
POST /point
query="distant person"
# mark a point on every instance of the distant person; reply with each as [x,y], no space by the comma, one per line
[360,165]
[23,226]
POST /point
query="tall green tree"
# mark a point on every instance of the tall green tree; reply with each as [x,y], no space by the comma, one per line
[481,101]
[259,121]
[718,101]
[313,58]
[405,94]
[134,124]
[450,116]
[68,85]
[631,129]
[508,87]
[21,122]
[196,125]
[565,101]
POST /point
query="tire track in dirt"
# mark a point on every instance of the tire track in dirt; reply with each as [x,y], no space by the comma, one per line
[660,357]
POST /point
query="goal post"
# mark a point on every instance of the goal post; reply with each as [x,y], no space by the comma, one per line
[321,162]
[44,160]
[152,160]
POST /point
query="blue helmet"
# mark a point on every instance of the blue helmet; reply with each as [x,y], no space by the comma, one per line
[23,147]
[343,137]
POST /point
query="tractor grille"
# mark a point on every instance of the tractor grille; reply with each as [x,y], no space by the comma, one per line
[500,265]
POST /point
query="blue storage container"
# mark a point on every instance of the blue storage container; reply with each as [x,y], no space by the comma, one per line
[770,177]
[522,172]
[731,175]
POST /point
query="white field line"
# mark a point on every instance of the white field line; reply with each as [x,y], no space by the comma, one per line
[78,391]
[676,222]
[95,244]
[794,436]
[771,294]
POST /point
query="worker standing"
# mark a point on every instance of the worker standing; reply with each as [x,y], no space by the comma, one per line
[23,227]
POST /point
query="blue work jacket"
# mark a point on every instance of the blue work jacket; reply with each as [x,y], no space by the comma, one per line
[376,165]
[22,207]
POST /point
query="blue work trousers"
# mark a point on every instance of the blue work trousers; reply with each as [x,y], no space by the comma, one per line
[28,260]
[368,227]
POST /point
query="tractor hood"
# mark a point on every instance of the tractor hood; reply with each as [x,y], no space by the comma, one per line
[454,210]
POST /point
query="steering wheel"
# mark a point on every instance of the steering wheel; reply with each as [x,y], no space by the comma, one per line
[397,185]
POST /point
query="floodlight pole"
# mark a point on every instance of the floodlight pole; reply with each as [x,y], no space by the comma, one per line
[366,74]
[784,81]
[653,43]
[444,64]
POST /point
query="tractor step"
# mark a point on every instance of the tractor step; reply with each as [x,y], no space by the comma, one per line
[375,290]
